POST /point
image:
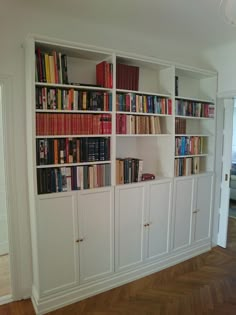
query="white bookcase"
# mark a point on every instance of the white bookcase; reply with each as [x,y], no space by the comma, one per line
[87,238]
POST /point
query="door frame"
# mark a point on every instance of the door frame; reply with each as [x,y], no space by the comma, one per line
[6,83]
[222,226]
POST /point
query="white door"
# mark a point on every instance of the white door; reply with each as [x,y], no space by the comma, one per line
[158,219]
[57,247]
[226,165]
[96,229]
[182,205]
[202,208]
[129,217]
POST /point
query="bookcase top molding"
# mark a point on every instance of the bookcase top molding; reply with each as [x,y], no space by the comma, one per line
[82,50]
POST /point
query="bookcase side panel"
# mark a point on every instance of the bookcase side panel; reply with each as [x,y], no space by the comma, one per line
[31,155]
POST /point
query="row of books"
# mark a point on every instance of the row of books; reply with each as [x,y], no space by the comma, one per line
[52,180]
[104,74]
[127,77]
[50,67]
[128,170]
[72,124]
[180,126]
[72,150]
[131,102]
[194,109]
[71,99]
[134,124]
[188,145]
[187,166]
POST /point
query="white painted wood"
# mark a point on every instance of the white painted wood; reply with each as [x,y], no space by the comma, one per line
[4,247]
[196,86]
[159,208]
[63,298]
[202,208]
[13,219]
[96,230]
[226,165]
[182,216]
[129,218]
[57,247]
[74,270]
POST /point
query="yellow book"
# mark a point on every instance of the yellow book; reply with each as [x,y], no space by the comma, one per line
[52,69]
[59,99]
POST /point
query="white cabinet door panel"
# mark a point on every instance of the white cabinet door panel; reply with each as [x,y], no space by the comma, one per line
[159,219]
[203,208]
[183,203]
[129,225]
[96,229]
[56,242]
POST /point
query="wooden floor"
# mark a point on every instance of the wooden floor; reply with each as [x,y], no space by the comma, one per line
[5,285]
[203,285]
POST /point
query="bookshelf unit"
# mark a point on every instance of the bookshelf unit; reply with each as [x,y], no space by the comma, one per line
[195,98]
[94,127]
[144,117]
[73,120]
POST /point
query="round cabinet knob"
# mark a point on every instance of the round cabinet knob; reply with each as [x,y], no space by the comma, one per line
[79,240]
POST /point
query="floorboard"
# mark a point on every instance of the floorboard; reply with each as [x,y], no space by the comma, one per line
[5,284]
[203,285]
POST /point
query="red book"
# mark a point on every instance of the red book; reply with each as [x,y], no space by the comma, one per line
[37,124]
[169,106]
[111,75]
[100,73]
[90,124]
[136,76]
[123,122]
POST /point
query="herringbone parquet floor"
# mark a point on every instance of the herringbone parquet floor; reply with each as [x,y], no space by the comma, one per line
[204,285]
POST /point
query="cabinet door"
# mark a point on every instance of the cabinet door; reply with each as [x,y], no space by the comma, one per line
[157,231]
[201,214]
[129,212]
[57,250]
[96,229]
[182,215]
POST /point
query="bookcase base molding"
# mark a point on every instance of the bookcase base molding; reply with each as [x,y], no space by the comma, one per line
[43,305]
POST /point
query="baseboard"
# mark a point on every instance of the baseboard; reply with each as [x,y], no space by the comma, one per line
[4,248]
[6,299]
[55,301]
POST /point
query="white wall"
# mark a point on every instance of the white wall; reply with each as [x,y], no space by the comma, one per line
[19,18]
[223,60]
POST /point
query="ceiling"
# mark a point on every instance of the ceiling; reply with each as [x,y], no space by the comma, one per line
[197,22]
[193,22]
